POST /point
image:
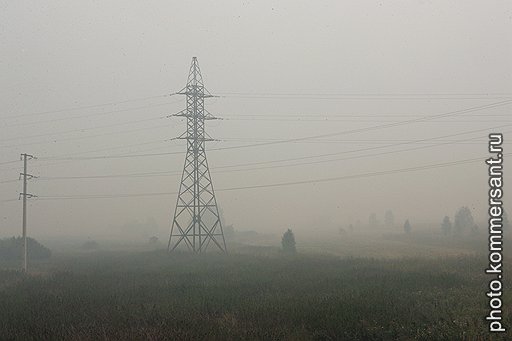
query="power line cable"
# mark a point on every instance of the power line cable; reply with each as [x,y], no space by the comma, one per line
[310,97]
[103,113]
[353,141]
[339,159]
[90,136]
[372,148]
[9,162]
[382,126]
[350,94]
[281,184]
[360,115]
[8,181]
[166,173]
[9,200]
[358,130]
[109,176]
[325,120]
[84,107]
[84,129]
[364,175]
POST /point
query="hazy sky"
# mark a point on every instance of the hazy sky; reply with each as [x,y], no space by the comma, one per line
[88,78]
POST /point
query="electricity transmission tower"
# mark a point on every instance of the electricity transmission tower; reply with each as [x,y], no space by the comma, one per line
[196,222]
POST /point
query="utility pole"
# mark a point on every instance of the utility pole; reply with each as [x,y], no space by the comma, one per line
[25,195]
[196,222]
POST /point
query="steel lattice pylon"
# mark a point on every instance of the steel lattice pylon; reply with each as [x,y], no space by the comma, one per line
[196,222]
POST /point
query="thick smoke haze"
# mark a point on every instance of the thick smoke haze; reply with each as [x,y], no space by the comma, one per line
[91,78]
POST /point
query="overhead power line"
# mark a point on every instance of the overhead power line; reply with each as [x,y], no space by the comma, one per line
[124,146]
[9,200]
[364,175]
[481,95]
[370,94]
[366,96]
[84,107]
[84,129]
[399,143]
[89,136]
[98,150]
[375,148]
[227,168]
[337,115]
[100,157]
[356,141]
[383,126]
[329,120]
[8,181]
[281,184]
[352,131]
[9,162]
[103,113]
[109,176]
[339,159]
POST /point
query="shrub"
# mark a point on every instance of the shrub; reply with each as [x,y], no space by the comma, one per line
[288,242]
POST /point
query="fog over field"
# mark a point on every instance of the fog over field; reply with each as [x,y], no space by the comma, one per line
[284,70]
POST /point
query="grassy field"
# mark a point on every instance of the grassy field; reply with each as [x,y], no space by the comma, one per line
[253,293]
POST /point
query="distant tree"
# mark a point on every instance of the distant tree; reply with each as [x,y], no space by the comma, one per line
[505,222]
[153,240]
[372,220]
[351,228]
[407,226]
[288,242]
[446,225]
[389,219]
[463,220]
[11,249]
[341,230]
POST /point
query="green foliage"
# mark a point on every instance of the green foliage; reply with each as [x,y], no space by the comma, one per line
[11,249]
[154,296]
[288,242]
